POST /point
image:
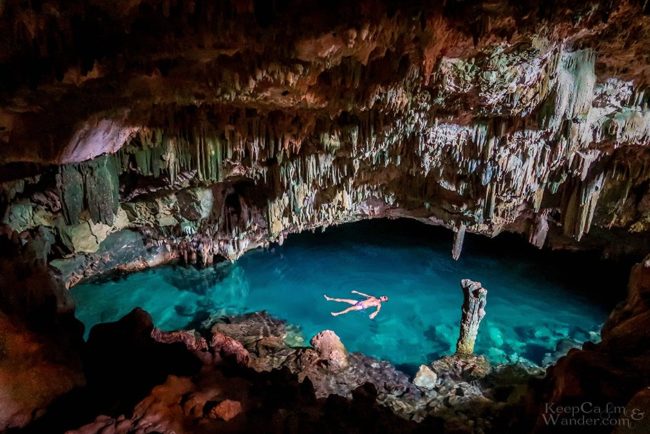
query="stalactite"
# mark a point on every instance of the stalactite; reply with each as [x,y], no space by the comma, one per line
[459,238]
[574,88]
[539,230]
[579,205]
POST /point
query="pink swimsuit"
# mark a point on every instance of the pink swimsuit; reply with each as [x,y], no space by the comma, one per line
[361,305]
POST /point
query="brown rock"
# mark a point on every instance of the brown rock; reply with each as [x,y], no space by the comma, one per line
[616,370]
[32,374]
[226,410]
[636,412]
[229,348]
[190,338]
[330,348]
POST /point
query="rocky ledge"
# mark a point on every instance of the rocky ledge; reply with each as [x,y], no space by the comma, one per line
[456,393]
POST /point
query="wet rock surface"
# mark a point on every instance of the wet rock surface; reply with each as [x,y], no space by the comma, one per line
[438,389]
[425,378]
[280,388]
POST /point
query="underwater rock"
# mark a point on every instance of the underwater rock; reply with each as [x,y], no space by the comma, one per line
[562,348]
[425,378]
[497,355]
[330,349]
[441,338]
[495,335]
[472,313]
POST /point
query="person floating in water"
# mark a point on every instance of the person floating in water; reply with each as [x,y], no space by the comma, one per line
[370,301]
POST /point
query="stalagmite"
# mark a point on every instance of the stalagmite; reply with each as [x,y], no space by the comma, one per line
[459,237]
[475,298]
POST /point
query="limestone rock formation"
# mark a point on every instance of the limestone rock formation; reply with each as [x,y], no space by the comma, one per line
[425,378]
[468,394]
[473,311]
[478,116]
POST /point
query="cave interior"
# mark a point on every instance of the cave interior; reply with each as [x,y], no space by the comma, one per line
[181,181]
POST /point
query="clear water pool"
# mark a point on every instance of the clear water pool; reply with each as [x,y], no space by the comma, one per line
[535,301]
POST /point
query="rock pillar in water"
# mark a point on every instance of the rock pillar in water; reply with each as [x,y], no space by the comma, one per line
[459,237]
[473,312]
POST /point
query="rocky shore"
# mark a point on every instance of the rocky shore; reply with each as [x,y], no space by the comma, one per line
[458,393]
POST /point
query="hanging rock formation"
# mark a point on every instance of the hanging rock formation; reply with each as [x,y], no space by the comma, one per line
[479,117]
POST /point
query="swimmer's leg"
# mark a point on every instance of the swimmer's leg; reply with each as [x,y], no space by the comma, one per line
[341,300]
[349,309]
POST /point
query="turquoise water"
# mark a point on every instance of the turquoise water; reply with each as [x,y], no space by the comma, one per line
[535,303]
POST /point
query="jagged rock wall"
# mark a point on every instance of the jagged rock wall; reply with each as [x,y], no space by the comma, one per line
[226,127]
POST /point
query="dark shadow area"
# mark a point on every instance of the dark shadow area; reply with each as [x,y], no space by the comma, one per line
[197,320]
[121,363]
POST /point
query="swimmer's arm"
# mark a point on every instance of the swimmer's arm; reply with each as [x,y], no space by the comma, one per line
[361,293]
[374,314]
